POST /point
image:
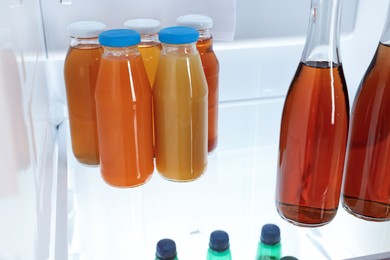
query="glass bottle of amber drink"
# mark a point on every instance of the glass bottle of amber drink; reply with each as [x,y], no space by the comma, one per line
[124,111]
[180,107]
[149,47]
[80,72]
[211,69]
[366,191]
[314,126]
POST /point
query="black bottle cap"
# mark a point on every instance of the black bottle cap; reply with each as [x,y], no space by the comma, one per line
[166,249]
[219,241]
[288,258]
[270,234]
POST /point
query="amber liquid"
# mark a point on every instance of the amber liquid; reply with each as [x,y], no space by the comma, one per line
[124,113]
[312,145]
[150,52]
[366,192]
[211,70]
[80,73]
[180,117]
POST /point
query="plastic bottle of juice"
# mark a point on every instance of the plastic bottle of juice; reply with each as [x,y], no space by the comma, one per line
[124,111]
[149,47]
[211,69]
[80,72]
[180,107]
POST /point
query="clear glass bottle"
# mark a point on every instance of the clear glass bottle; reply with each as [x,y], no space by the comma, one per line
[124,111]
[219,246]
[166,250]
[314,126]
[80,73]
[149,47]
[269,247]
[366,190]
[210,64]
[180,107]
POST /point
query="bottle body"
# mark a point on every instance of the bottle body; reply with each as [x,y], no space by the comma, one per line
[211,69]
[80,73]
[366,191]
[180,114]
[268,252]
[314,126]
[215,255]
[124,112]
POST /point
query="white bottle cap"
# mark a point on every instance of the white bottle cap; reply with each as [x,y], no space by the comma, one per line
[143,26]
[86,29]
[196,21]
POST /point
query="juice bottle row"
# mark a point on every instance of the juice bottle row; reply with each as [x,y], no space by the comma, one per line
[269,246]
[140,93]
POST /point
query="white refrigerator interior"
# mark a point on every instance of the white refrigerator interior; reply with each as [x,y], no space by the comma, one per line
[52,207]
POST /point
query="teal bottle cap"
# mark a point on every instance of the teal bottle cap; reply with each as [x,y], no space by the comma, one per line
[178,35]
[119,38]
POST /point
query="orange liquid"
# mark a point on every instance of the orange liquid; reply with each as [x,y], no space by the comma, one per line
[124,102]
[180,116]
[312,145]
[211,70]
[367,180]
[150,52]
[80,73]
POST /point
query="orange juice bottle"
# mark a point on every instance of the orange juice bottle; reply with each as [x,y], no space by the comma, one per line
[149,47]
[180,107]
[80,72]
[124,111]
[211,69]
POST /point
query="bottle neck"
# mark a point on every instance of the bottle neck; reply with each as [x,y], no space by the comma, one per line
[84,43]
[130,51]
[149,38]
[204,34]
[323,36]
[179,49]
[385,37]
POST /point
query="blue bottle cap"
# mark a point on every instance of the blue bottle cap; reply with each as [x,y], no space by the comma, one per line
[219,241]
[270,234]
[166,249]
[178,35]
[119,38]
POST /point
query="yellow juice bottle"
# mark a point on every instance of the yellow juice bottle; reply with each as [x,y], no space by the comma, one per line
[180,107]
[149,47]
